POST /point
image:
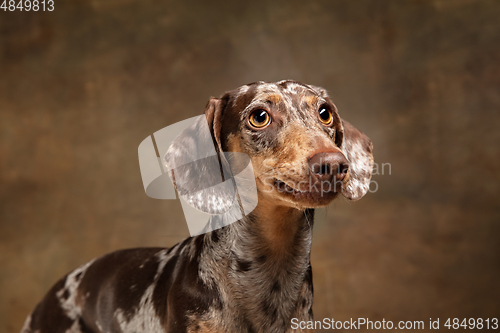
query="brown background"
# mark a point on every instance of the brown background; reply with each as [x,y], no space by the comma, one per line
[82,86]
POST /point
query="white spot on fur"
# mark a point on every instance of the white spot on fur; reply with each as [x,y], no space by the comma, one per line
[98,326]
[75,328]
[145,319]
[69,305]
[360,168]
[163,257]
[243,90]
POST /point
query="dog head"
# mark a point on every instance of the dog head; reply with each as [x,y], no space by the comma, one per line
[303,154]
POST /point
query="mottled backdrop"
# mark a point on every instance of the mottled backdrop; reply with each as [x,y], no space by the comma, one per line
[82,86]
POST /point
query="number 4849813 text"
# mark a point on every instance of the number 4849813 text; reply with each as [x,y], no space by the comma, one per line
[27,5]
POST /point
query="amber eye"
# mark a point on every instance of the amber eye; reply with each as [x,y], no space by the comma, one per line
[259,119]
[325,116]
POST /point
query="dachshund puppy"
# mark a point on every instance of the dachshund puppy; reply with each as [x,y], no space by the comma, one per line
[253,275]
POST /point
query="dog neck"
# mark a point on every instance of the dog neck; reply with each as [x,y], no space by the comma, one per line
[269,270]
[281,234]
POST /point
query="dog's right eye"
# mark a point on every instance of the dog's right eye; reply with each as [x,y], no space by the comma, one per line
[325,116]
[259,119]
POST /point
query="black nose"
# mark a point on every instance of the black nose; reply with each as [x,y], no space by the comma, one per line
[329,166]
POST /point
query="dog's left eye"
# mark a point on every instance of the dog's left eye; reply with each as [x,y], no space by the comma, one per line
[325,116]
[259,119]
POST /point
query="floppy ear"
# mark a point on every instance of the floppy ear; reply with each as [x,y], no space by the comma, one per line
[213,113]
[357,147]
[194,166]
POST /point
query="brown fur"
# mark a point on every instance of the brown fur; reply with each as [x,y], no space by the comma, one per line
[253,275]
